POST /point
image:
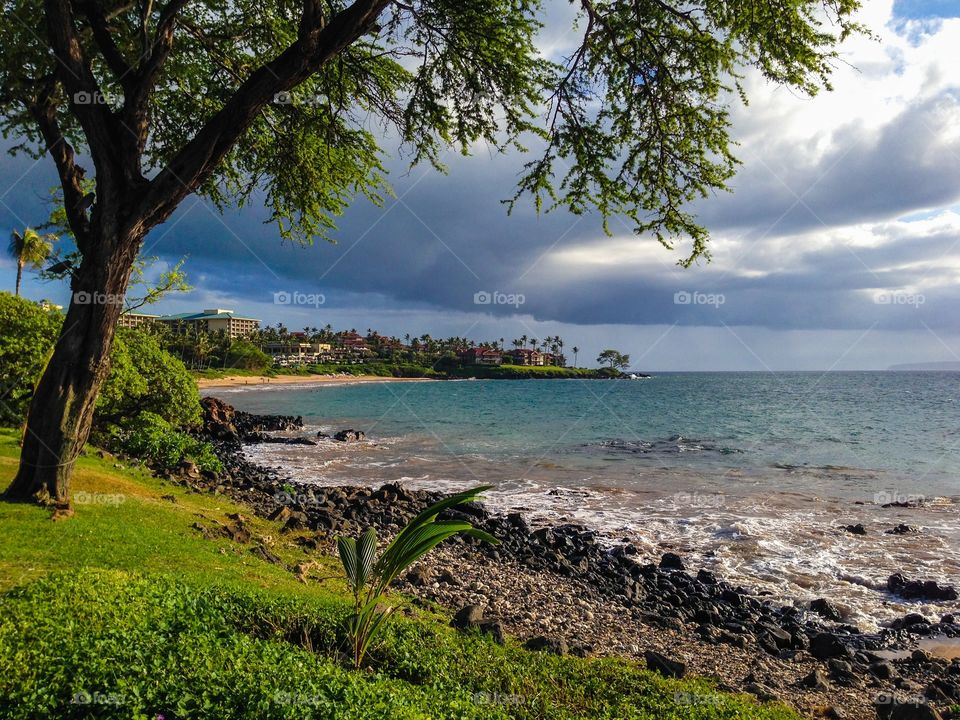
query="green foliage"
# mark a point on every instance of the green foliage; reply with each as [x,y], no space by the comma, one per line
[526,372]
[146,378]
[127,599]
[244,355]
[614,359]
[27,335]
[634,122]
[142,645]
[29,249]
[369,577]
[148,437]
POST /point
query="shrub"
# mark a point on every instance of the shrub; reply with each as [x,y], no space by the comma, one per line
[146,378]
[28,333]
[152,439]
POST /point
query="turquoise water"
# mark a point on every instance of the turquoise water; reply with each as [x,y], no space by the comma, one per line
[904,426]
[750,474]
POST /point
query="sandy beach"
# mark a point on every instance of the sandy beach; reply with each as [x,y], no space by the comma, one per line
[241,380]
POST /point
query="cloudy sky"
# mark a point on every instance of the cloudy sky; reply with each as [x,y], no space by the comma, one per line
[838,249]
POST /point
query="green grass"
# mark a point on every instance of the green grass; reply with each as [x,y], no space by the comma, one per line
[126,605]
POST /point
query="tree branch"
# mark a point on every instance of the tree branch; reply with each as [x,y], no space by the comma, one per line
[86,99]
[317,43]
[101,34]
[43,110]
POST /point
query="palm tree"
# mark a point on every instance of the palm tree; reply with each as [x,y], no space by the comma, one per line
[575,351]
[29,249]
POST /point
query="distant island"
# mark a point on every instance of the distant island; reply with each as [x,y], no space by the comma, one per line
[950,366]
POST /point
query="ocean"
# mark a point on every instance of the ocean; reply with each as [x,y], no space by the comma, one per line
[751,475]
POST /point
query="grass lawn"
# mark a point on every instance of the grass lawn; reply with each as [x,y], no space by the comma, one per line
[125,611]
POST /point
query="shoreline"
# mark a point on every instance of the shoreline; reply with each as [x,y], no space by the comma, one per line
[559,587]
[235,381]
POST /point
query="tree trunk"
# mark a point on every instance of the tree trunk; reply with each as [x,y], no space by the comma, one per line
[19,276]
[61,411]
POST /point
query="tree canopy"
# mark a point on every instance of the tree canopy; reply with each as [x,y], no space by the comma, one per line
[294,100]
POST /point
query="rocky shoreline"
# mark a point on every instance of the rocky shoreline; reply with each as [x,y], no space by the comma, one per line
[566,589]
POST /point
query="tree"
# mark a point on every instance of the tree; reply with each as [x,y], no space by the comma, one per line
[614,359]
[29,249]
[172,98]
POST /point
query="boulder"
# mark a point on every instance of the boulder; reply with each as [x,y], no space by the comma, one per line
[664,665]
[902,529]
[826,609]
[350,435]
[898,584]
[824,646]
[857,529]
[671,561]
[419,577]
[816,680]
[467,617]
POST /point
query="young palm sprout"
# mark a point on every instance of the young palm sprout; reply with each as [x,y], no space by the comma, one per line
[369,578]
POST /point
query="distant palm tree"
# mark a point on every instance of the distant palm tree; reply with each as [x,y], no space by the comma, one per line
[29,249]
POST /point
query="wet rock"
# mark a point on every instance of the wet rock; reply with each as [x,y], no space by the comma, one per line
[898,584]
[902,529]
[350,435]
[542,643]
[824,646]
[671,561]
[826,609]
[857,529]
[664,665]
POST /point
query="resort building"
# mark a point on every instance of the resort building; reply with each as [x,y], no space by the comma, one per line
[481,356]
[526,356]
[296,352]
[132,320]
[212,320]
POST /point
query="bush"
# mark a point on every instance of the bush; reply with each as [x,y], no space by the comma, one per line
[27,335]
[145,377]
[152,439]
[243,355]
